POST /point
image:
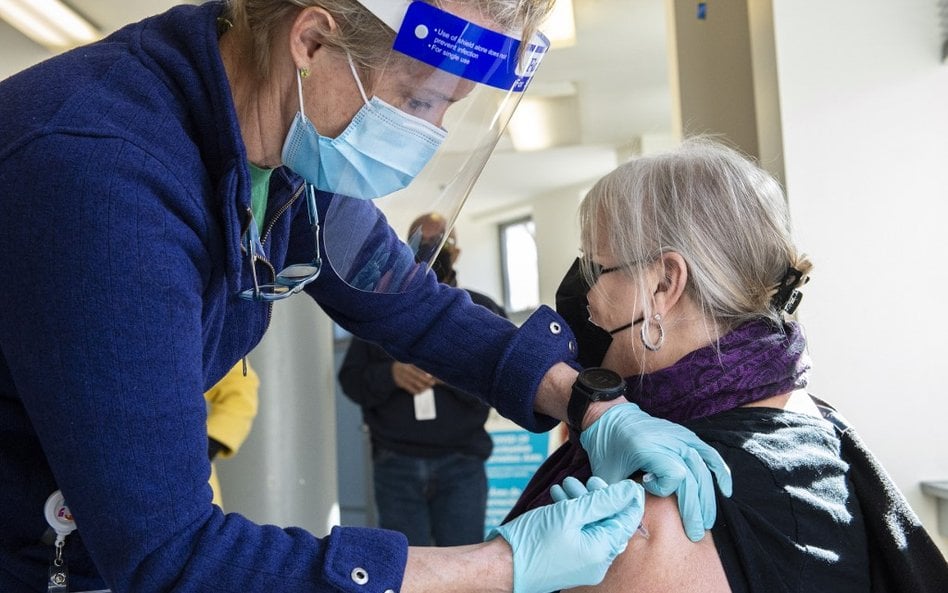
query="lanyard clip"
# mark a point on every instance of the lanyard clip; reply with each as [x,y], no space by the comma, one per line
[62,522]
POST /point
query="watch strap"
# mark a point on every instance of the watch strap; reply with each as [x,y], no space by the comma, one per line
[576,408]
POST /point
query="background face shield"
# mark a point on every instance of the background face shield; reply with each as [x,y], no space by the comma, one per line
[463,78]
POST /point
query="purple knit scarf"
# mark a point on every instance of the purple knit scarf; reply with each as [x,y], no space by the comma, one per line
[754,361]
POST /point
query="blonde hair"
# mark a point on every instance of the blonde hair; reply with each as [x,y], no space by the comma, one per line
[724,215]
[360,34]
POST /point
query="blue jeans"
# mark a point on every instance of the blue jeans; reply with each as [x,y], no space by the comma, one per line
[433,500]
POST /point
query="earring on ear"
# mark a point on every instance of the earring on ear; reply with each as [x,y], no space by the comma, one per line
[644,334]
[304,72]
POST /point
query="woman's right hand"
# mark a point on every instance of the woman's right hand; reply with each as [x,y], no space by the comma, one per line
[573,541]
[411,378]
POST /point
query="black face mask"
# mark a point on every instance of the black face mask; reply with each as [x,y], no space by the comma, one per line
[572,304]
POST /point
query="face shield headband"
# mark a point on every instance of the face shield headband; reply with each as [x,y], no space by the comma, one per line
[456,75]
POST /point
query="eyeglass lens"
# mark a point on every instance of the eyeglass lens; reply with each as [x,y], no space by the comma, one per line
[291,279]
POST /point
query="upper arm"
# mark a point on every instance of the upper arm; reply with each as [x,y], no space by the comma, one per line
[667,560]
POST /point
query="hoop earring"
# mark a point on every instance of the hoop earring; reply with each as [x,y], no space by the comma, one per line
[643,333]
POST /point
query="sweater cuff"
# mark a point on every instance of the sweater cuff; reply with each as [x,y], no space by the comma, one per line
[541,342]
[362,560]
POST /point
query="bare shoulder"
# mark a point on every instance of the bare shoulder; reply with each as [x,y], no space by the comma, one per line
[667,560]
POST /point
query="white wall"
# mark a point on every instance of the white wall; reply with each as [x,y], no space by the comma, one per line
[478,266]
[556,215]
[864,101]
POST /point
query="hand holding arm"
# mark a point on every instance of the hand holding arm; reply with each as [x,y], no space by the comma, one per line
[561,545]
[621,440]
[624,440]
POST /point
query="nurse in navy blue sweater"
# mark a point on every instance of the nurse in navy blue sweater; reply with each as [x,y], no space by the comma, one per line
[162,188]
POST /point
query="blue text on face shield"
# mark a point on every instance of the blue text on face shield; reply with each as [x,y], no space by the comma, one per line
[460,47]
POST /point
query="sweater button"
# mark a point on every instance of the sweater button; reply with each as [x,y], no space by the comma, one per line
[359,576]
[555,328]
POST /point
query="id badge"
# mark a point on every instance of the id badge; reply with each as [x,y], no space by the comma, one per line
[425,405]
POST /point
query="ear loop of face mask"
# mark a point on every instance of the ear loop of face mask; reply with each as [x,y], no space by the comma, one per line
[626,326]
[365,98]
[618,329]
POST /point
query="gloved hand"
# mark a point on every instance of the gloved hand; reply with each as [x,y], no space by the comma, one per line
[625,440]
[573,488]
[572,542]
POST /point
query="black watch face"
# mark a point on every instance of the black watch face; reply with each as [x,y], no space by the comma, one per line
[601,379]
[602,384]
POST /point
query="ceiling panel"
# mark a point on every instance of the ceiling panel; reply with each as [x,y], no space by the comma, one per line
[109,15]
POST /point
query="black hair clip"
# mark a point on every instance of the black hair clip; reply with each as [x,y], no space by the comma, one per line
[788,298]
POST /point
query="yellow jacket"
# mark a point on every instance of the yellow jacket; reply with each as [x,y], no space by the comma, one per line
[231,408]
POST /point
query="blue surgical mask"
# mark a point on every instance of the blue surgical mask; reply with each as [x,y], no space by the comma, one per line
[380,151]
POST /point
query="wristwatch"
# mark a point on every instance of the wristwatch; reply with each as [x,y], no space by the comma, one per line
[594,384]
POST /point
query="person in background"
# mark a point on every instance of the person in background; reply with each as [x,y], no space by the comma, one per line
[684,296]
[428,439]
[231,408]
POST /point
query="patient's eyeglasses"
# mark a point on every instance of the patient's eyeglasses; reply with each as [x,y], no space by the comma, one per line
[291,279]
[598,270]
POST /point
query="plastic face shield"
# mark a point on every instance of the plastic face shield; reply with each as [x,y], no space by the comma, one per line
[454,73]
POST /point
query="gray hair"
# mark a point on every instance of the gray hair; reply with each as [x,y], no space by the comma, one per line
[360,34]
[724,215]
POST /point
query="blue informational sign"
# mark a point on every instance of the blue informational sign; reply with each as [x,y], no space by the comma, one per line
[454,45]
[516,457]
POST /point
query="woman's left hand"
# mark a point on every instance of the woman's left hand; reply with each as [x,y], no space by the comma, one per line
[625,440]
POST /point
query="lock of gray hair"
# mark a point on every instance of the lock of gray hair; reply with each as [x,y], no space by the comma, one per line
[359,32]
[726,216]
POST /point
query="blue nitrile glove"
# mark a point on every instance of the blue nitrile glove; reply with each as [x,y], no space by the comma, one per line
[572,542]
[573,488]
[625,440]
